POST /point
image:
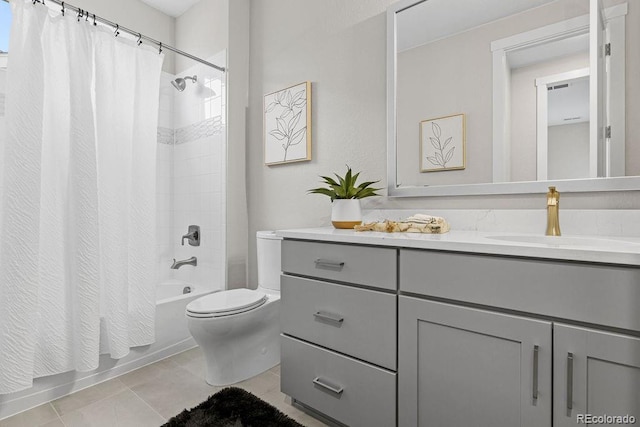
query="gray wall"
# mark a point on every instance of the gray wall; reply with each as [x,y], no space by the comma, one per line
[203,31]
[238,236]
[340,47]
[568,151]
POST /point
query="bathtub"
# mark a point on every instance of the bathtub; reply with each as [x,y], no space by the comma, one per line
[175,290]
[172,337]
[172,298]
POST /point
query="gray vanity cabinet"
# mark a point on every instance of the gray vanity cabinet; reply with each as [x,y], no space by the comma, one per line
[595,372]
[461,366]
[457,339]
[339,323]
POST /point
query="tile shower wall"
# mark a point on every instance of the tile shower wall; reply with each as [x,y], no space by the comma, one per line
[191,175]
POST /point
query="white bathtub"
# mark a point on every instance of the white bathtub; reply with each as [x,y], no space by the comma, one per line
[172,337]
[171,323]
[174,290]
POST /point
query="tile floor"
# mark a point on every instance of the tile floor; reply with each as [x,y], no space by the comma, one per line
[149,396]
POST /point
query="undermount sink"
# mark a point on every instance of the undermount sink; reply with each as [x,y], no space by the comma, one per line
[576,242]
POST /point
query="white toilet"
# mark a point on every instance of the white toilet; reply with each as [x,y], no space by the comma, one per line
[239,329]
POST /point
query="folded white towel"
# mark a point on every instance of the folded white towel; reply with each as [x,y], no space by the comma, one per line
[424,219]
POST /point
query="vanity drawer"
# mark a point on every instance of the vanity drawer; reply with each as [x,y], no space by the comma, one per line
[600,294]
[352,392]
[357,322]
[363,265]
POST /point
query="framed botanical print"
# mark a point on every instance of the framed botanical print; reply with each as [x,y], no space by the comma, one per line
[442,144]
[287,125]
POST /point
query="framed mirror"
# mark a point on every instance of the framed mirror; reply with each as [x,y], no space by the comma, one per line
[540,85]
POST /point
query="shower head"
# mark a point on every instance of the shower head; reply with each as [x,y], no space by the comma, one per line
[180,83]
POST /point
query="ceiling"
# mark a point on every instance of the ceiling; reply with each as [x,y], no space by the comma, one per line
[437,19]
[173,8]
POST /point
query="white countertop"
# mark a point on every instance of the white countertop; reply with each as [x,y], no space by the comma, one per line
[600,249]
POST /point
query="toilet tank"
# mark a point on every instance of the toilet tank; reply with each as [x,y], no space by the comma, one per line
[268,259]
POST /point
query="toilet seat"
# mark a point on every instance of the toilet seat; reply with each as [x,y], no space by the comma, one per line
[226,303]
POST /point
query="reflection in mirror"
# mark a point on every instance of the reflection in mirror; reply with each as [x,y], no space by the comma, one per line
[563,126]
[560,50]
[551,54]
[489,61]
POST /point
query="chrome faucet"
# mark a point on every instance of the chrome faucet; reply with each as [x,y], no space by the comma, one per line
[193,236]
[191,261]
[553,210]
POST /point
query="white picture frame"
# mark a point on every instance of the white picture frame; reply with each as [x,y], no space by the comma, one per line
[287,125]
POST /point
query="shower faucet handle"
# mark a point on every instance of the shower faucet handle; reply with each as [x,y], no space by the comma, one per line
[193,236]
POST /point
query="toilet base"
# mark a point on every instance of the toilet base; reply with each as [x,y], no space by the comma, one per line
[239,346]
[217,375]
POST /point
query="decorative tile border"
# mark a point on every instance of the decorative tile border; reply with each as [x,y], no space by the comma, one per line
[203,129]
[165,136]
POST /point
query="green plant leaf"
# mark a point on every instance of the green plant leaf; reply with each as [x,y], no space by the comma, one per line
[324,191]
[367,192]
[340,192]
[344,187]
[366,184]
[329,180]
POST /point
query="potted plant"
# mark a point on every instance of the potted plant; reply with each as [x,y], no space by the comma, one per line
[345,197]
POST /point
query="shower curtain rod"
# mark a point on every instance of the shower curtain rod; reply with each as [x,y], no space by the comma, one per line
[161,46]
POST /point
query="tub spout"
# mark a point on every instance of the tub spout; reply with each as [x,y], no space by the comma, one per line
[191,261]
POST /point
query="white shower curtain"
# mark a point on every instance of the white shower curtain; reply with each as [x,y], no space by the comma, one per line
[77,245]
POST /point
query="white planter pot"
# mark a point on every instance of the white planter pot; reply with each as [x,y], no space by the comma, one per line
[346,213]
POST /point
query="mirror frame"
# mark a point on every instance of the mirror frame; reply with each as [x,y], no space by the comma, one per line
[625,183]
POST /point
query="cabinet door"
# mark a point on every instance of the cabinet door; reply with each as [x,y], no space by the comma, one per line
[460,366]
[595,373]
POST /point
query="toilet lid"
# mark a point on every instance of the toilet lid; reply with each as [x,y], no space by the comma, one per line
[226,302]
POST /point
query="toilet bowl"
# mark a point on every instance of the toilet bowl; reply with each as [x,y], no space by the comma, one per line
[238,330]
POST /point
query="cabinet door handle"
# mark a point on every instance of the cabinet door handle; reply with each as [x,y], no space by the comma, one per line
[536,351]
[338,391]
[328,263]
[334,318]
[569,383]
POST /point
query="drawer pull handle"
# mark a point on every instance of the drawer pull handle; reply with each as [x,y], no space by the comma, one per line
[327,263]
[536,350]
[332,389]
[329,317]
[569,383]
